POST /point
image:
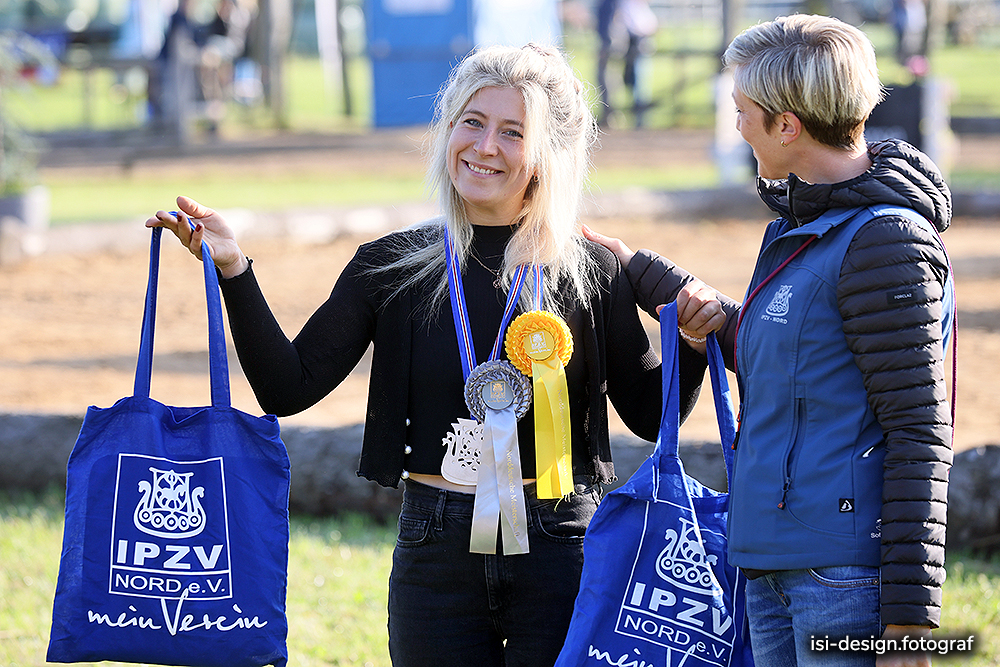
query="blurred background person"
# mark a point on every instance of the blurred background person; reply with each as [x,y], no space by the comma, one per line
[909,23]
[635,24]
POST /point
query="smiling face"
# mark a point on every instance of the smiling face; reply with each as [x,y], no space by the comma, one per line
[486,156]
[765,142]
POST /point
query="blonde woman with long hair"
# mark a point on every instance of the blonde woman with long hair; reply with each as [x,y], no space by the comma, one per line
[502,445]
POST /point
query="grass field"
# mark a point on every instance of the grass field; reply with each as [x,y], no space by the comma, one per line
[337,574]
[336,604]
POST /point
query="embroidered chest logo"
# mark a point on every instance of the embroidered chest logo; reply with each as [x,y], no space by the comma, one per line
[779,306]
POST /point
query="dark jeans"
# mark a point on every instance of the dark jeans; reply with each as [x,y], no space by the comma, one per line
[449,607]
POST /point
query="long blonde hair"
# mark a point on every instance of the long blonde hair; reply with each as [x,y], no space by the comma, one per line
[559,135]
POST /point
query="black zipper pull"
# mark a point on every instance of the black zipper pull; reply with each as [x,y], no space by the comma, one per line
[784,494]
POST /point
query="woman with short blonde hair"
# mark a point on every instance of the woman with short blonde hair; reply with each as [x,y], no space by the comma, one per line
[823,71]
[838,500]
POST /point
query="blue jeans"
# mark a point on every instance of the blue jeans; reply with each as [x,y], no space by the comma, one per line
[793,612]
[449,607]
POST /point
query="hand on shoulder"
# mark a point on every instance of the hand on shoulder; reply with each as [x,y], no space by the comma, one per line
[615,245]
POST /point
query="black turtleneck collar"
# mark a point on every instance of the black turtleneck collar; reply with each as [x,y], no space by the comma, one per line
[900,175]
[493,234]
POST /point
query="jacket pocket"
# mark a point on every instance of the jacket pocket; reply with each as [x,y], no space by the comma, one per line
[818,490]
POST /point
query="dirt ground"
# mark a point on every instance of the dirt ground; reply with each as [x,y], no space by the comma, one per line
[69,321]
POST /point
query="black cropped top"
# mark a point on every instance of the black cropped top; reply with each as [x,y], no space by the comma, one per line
[416,384]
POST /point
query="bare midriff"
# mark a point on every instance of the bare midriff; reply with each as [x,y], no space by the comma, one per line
[439,482]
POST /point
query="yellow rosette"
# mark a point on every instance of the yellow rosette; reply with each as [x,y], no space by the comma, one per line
[540,344]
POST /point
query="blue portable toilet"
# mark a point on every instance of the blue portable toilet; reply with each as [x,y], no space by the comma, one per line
[413,45]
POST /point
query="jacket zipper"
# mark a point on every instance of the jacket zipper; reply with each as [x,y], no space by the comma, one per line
[784,494]
[739,321]
[787,468]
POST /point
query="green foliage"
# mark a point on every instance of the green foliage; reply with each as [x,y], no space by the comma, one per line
[971,606]
[18,158]
[338,569]
[18,151]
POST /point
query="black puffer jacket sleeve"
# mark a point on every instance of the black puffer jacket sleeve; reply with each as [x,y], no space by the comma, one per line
[890,295]
[657,281]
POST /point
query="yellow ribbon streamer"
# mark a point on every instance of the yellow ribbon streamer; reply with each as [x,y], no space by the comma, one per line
[539,344]
[553,448]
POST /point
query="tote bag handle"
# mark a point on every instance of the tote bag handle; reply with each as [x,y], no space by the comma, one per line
[666,449]
[218,364]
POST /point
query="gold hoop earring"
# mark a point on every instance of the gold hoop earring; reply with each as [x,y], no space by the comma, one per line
[784,145]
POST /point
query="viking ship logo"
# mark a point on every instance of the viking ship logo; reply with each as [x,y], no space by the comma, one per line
[170,530]
[780,303]
[169,508]
[683,561]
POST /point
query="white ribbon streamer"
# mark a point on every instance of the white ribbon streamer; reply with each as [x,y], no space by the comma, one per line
[500,489]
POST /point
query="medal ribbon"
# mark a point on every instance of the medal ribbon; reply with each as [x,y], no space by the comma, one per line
[553,447]
[460,313]
[499,485]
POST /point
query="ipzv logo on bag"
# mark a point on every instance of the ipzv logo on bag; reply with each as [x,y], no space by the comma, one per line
[170,532]
[674,599]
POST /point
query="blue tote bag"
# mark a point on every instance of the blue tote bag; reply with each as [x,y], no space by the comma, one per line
[175,548]
[656,588]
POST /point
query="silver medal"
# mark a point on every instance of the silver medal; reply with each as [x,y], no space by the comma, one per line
[497,385]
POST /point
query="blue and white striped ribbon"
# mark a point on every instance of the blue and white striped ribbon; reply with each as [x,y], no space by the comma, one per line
[460,313]
[538,287]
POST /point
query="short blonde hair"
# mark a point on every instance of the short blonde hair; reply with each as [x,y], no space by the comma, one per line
[819,68]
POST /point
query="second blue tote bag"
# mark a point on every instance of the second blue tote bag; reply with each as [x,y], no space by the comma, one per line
[656,588]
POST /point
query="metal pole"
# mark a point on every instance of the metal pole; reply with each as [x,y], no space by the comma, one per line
[344,81]
[732,19]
